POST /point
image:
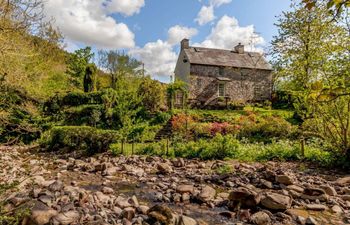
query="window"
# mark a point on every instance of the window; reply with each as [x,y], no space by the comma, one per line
[199,82]
[221,89]
[221,71]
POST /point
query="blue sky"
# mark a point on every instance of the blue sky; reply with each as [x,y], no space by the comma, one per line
[150,30]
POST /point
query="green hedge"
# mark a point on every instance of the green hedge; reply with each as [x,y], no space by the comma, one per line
[78,138]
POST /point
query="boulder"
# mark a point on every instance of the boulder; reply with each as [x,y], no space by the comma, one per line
[161,214]
[56,186]
[260,218]
[179,162]
[185,188]
[207,194]
[41,213]
[316,207]
[329,190]
[66,218]
[185,220]
[284,179]
[314,194]
[244,196]
[343,181]
[164,168]
[276,201]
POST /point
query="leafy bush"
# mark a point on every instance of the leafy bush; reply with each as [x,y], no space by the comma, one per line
[220,147]
[82,138]
[88,115]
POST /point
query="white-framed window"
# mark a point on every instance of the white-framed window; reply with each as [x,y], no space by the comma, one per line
[222,90]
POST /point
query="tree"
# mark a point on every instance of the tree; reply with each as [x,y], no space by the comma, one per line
[118,64]
[311,56]
[335,6]
[90,77]
[153,94]
[76,65]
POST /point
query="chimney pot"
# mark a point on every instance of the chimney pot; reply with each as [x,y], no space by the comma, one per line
[185,44]
[239,48]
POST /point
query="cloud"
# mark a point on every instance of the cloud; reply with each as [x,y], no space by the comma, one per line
[205,15]
[227,33]
[89,22]
[158,57]
[125,7]
[177,33]
[218,3]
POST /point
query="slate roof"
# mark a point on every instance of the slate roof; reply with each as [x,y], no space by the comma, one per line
[227,58]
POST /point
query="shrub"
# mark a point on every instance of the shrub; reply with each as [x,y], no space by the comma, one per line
[81,138]
[85,115]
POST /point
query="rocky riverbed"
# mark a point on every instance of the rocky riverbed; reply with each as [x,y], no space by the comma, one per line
[150,190]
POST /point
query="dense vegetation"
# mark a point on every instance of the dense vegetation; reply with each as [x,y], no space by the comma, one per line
[71,102]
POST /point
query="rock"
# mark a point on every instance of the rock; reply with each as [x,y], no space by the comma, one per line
[329,190]
[143,209]
[179,162]
[313,194]
[185,220]
[186,197]
[118,211]
[161,214]
[128,213]
[107,190]
[227,214]
[66,218]
[245,197]
[316,207]
[111,171]
[260,218]
[284,179]
[266,184]
[310,221]
[41,213]
[133,201]
[102,197]
[345,197]
[207,194]
[276,201]
[337,209]
[164,168]
[56,186]
[343,181]
[185,188]
[122,202]
[295,188]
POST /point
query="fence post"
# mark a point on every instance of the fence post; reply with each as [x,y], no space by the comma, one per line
[302,146]
[132,147]
[167,146]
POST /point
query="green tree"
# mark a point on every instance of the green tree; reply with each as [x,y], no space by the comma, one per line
[118,64]
[76,65]
[153,94]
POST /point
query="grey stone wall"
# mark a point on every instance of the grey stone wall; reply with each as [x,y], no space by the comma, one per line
[244,85]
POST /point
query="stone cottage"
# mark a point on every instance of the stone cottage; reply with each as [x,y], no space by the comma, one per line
[219,76]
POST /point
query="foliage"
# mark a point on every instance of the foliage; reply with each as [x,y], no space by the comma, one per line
[172,89]
[224,169]
[335,6]
[153,94]
[78,138]
[77,64]
[19,117]
[118,64]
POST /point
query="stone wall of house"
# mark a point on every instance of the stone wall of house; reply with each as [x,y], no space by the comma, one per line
[243,85]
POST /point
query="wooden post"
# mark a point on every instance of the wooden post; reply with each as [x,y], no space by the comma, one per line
[302,147]
[122,148]
[167,146]
[132,148]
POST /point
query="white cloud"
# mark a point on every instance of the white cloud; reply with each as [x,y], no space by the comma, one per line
[218,3]
[88,22]
[177,33]
[125,7]
[228,33]
[158,57]
[205,15]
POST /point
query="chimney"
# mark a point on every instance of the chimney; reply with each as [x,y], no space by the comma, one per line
[185,44]
[239,48]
